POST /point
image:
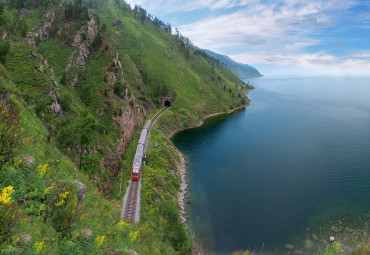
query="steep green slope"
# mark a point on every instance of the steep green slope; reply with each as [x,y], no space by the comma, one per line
[170,68]
[76,90]
[242,70]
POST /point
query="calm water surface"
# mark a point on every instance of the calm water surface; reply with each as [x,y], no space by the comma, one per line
[298,153]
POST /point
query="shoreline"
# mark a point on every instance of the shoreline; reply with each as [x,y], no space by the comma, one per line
[207,117]
[181,166]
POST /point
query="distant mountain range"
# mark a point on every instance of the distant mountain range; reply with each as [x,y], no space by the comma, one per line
[242,70]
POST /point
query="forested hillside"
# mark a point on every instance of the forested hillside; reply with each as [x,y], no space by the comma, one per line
[77,81]
[242,70]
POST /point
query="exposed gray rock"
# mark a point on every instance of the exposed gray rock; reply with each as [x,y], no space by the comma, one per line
[56,84]
[74,81]
[4,35]
[86,232]
[40,69]
[82,50]
[44,31]
[26,238]
[68,68]
[52,73]
[82,188]
[24,12]
[132,252]
[55,107]
[29,159]
[34,55]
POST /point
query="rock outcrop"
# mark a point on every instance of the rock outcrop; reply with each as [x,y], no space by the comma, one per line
[43,32]
[81,190]
[81,44]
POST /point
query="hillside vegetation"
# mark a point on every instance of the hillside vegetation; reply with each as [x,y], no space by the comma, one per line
[77,81]
[242,70]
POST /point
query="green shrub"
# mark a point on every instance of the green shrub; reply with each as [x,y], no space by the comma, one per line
[118,88]
[174,228]
[4,50]
[80,245]
[10,133]
[10,215]
[66,101]
[61,208]
[91,165]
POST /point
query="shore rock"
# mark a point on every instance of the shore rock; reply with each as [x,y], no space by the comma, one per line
[82,188]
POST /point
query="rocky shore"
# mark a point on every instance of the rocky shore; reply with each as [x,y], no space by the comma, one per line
[181,167]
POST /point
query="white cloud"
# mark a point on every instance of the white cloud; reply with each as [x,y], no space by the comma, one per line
[190,5]
[316,63]
[266,32]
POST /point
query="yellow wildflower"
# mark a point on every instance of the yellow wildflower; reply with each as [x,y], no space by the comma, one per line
[60,203]
[133,235]
[5,197]
[47,190]
[100,240]
[123,224]
[64,195]
[43,169]
[42,208]
[39,246]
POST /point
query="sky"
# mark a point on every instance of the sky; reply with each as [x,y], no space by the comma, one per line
[278,37]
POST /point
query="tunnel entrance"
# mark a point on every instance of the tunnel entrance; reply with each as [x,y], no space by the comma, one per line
[167,103]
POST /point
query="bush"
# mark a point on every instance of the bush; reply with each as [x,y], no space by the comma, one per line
[62,208]
[10,133]
[4,50]
[41,104]
[118,88]
[174,228]
[66,101]
[10,215]
[97,41]
[91,165]
[81,245]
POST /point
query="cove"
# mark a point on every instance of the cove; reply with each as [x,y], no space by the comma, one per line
[300,153]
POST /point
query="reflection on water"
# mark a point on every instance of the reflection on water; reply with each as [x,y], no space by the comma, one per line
[299,153]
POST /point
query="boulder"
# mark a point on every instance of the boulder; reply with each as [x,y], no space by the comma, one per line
[55,107]
[40,69]
[116,23]
[4,35]
[26,238]
[82,188]
[86,233]
[132,252]
[29,159]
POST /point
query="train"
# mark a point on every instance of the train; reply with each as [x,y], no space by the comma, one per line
[140,151]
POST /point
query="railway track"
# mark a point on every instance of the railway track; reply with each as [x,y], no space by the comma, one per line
[131,200]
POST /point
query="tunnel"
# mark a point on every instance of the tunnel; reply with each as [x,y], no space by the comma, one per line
[167,103]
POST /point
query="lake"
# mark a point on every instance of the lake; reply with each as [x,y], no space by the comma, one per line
[300,153]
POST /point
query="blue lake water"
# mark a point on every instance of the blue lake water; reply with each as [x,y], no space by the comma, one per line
[299,153]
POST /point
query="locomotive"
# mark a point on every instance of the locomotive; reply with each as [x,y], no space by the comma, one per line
[140,151]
